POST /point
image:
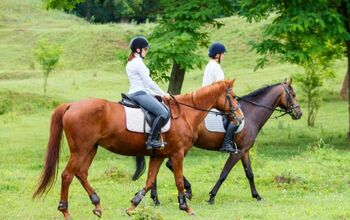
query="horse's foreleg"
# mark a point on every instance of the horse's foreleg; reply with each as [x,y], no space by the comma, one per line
[177,162]
[82,175]
[231,161]
[250,176]
[188,190]
[154,165]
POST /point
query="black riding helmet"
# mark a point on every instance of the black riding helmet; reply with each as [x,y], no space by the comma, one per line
[216,48]
[138,43]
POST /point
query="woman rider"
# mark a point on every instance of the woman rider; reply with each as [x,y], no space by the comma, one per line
[142,88]
[213,73]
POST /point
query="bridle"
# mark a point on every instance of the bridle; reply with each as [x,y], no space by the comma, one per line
[231,113]
[290,110]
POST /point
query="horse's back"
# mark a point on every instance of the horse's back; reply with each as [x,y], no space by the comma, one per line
[92,114]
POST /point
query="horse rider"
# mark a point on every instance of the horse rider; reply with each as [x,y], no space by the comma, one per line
[213,73]
[143,88]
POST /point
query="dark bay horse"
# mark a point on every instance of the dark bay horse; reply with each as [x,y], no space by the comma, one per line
[257,107]
[95,122]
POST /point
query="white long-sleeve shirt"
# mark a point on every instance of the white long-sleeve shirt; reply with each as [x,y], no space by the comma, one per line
[139,78]
[212,73]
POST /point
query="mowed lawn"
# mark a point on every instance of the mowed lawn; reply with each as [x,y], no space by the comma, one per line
[301,172]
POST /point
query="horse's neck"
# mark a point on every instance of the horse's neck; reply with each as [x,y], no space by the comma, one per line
[200,100]
[259,115]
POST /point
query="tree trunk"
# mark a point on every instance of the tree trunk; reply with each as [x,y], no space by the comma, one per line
[344,89]
[348,72]
[88,10]
[176,79]
[345,12]
[46,75]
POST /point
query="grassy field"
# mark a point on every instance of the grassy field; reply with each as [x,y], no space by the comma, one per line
[314,162]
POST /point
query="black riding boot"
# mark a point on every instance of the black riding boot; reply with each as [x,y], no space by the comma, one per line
[152,140]
[228,144]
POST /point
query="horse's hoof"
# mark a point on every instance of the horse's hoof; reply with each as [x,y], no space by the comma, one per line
[68,218]
[97,212]
[156,201]
[190,211]
[211,201]
[258,197]
[130,210]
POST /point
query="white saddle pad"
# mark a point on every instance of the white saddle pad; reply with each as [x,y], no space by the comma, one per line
[214,123]
[135,120]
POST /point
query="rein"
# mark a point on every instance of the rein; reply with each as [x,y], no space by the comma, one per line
[284,111]
[209,111]
[195,107]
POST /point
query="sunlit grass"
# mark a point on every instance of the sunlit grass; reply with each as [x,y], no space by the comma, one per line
[301,172]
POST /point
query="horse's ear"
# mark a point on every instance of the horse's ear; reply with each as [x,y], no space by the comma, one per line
[289,81]
[233,82]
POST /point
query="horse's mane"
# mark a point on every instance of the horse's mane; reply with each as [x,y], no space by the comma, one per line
[206,91]
[259,91]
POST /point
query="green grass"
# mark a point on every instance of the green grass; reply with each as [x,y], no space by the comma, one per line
[301,172]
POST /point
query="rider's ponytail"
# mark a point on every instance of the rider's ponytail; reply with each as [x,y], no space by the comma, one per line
[131,56]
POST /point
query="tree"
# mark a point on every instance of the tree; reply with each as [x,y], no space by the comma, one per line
[105,11]
[311,81]
[48,55]
[62,4]
[302,30]
[178,36]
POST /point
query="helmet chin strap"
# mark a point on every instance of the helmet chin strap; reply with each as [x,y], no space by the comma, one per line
[140,53]
[219,58]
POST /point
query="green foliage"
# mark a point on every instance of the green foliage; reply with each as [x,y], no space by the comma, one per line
[105,11]
[298,32]
[311,35]
[62,4]
[311,82]
[47,55]
[127,8]
[180,34]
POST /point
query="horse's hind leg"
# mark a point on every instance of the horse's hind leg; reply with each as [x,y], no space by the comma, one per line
[82,175]
[230,162]
[67,177]
[154,194]
[76,162]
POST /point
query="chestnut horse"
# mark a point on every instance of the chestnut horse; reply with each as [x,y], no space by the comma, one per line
[95,122]
[257,107]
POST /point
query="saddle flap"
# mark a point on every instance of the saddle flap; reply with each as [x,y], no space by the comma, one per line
[135,119]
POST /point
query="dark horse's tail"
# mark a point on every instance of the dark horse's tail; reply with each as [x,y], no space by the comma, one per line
[140,167]
[49,173]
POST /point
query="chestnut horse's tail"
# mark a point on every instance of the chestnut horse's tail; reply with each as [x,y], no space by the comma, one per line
[49,173]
